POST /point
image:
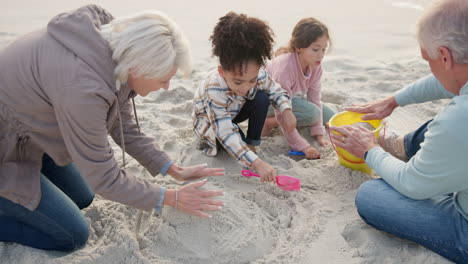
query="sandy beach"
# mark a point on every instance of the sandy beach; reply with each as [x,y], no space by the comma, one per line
[374,54]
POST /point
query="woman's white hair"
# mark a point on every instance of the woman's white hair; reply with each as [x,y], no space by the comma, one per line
[445,24]
[148,44]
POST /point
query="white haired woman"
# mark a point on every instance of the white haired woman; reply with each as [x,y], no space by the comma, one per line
[62,91]
[423,193]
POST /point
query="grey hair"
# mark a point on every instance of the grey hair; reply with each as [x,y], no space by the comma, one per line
[149,44]
[445,24]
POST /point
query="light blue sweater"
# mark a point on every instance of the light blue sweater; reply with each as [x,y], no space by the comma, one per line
[441,165]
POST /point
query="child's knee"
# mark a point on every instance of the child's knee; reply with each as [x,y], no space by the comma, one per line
[313,115]
[307,118]
[306,112]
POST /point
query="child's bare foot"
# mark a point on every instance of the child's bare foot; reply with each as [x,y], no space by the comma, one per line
[322,141]
[252,148]
[270,123]
[266,131]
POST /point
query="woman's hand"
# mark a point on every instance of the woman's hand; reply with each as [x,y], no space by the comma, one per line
[193,172]
[356,140]
[376,110]
[192,200]
[311,153]
[322,141]
[289,120]
[266,172]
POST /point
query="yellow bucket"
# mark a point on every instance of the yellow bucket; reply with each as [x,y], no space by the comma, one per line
[344,157]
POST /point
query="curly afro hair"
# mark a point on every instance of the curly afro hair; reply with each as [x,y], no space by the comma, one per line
[237,39]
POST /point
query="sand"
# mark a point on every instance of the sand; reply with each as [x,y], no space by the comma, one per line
[261,223]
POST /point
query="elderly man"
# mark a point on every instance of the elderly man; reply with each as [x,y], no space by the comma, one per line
[423,193]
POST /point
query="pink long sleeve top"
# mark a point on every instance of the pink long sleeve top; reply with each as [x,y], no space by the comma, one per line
[286,70]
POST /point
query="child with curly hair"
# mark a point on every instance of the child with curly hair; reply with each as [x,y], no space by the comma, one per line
[239,89]
[298,69]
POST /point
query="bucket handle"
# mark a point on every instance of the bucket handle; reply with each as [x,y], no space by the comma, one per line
[343,157]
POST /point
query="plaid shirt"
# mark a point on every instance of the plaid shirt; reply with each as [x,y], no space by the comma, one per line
[215,106]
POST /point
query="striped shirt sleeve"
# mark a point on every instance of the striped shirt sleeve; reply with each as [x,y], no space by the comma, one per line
[278,96]
[227,133]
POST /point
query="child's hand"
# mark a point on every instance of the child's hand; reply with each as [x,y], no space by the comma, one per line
[266,172]
[311,153]
[289,120]
[322,141]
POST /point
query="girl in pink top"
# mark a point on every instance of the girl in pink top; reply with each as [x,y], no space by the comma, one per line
[298,69]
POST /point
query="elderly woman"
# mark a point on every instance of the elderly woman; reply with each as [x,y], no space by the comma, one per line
[62,90]
[426,198]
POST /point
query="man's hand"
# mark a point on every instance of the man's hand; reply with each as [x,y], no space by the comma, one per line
[379,109]
[355,140]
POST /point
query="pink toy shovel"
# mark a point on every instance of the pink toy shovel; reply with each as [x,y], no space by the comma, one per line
[284,182]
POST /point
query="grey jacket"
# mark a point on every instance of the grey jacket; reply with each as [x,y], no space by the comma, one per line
[58,96]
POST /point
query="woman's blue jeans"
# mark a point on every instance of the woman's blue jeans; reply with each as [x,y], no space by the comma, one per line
[57,223]
[433,223]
